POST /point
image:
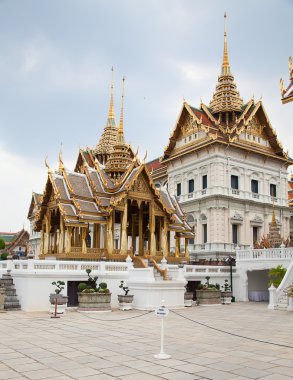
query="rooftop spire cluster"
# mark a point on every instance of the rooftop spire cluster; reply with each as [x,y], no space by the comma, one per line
[226,97]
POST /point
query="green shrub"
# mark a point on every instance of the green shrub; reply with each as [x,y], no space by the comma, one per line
[81,286]
[276,275]
[2,244]
[87,290]
[103,285]
[4,255]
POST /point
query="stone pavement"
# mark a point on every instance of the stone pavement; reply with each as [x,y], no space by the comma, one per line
[102,346]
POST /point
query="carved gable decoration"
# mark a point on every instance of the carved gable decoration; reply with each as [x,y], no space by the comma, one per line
[255,128]
[141,187]
[188,127]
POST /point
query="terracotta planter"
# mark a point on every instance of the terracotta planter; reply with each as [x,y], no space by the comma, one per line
[208,297]
[226,297]
[125,302]
[188,298]
[94,301]
[2,298]
[61,299]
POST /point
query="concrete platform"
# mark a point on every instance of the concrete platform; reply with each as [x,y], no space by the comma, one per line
[118,345]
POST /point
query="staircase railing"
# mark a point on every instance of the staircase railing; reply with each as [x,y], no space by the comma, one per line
[163,272]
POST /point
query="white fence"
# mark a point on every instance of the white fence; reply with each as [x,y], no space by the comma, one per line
[277,254]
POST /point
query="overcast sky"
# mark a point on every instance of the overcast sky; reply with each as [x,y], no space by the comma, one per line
[55,73]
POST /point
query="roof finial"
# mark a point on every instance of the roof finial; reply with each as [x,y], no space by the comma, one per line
[61,165]
[47,165]
[225,64]
[111,110]
[290,68]
[120,130]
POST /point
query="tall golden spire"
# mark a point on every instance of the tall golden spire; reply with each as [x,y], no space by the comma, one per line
[109,135]
[120,138]
[225,64]
[226,98]
[111,109]
[119,159]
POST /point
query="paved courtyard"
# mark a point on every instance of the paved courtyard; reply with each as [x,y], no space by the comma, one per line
[119,346]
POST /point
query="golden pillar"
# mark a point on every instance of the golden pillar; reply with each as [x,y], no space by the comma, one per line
[133,240]
[152,220]
[68,239]
[61,236]
[83,240]
[140,230]
[177,246]
[109,235]
[124,247]
[165,239]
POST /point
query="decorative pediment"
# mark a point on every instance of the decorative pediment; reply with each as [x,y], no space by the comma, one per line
[237,218]
[141,186]
[188,127]
[256,221]
[256,128]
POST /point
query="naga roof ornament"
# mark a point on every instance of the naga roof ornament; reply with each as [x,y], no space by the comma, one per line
[226,97]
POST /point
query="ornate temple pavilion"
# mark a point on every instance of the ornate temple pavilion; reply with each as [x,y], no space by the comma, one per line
[287,93]
[109,207]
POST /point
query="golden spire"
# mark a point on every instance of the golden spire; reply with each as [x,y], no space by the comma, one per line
[120,138]
[226,98]
[225,64]
[111,109]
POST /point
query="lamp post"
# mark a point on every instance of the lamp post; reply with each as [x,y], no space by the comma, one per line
[230,261]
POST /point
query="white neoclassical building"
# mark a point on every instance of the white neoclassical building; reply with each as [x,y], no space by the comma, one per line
[228,169]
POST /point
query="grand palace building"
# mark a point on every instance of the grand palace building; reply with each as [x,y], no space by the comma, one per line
[221,183]
[228,170]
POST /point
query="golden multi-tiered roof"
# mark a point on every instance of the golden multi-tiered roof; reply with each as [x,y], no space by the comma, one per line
[287,93]
[109,136]
[109,210]
[226,97]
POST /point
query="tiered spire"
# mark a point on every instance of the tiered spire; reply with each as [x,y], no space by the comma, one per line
[226,97]
[109,136]
[119,159]
[120,138]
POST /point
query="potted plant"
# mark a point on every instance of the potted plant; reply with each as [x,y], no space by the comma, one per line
[125,300]
[289,292]
[188,297]
[2,297]
[226,294]
[93,297]
[57,295]
[208,294]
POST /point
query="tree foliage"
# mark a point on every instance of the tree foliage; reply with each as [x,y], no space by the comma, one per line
[2,244]
[276,275]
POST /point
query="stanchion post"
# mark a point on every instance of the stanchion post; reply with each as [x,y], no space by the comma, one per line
[162,312]
[55,311]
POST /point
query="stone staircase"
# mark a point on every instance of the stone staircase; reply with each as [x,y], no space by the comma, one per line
[11,301]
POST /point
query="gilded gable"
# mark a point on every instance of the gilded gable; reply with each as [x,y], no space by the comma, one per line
[188,127]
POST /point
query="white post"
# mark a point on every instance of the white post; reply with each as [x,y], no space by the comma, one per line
[162,312]
[273,292]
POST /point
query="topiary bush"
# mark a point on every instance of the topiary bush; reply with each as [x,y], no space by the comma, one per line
[81,286]
[2,244]
[4,255]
